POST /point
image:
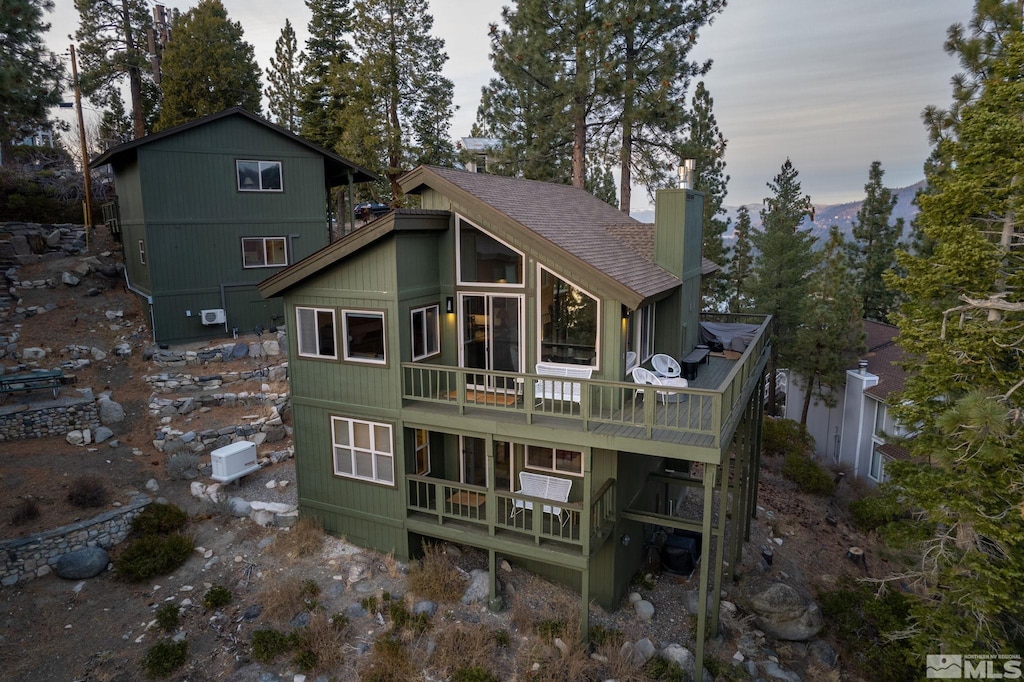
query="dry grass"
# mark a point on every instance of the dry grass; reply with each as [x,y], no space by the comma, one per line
[388,661]
[391,564]
[547,663]
[326,640]
[304,540]
[435,577]
[283,599]
[459,646]
[88,491]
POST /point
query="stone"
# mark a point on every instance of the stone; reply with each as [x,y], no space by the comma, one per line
[110,412]
[776,672]
[113,315]
[152,485]
[781,612]
[822,652]
[479,588]
[644,610]
[255,350]
[240,350]
[70,280]
[271,347]
[239,507]
[355,611]
[262,518]
[53,239]
[75,437]
[83,563]
[643,651]
[102,434]
[33,354]
[427,607]
[634,597]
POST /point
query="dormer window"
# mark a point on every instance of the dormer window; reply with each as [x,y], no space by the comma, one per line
[485,259]
[568,321]
[258,176]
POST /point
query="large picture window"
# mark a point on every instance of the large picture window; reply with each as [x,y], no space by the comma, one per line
[264,252]
[259,176]
[568,321]
[363,450]
[426,334]
[554,459]
[364,336]
[640,333]
[484,259]
[316,332]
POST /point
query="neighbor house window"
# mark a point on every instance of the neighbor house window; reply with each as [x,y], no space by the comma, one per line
[426,336]
[264,252]
[363,450]
[259,176]
[640,333]
[316,332]
[142,252]
[483,259]
[422,452]
[554,459]
[877,469]
[568,321]
[879,418]
[364,336]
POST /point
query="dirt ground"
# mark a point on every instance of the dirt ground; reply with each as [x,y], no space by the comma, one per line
[98,630]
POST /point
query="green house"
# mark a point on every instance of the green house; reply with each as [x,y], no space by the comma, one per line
[459,372]
[208,209]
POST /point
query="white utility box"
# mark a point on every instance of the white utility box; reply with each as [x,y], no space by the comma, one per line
[231,462]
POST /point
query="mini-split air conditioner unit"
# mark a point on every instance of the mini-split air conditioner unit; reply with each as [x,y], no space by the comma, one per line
[213,316]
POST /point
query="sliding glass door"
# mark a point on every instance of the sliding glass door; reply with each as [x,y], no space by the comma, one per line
[492,336]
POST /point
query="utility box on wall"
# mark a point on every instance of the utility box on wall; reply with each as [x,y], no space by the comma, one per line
[231,462]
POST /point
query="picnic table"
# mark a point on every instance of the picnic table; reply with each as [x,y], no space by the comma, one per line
[30,381]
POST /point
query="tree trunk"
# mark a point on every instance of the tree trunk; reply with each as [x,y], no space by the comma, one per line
[134,77]
[773,364]
[626,152]
[807,402]
[579,120]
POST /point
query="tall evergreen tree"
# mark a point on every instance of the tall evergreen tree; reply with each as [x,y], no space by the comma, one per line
[207,66]
[327,49]
[831,338]
[872,251]
[741,263]
[706,145]
[112,40]
[785,258]
[29,73]
[284,80]
[399,106]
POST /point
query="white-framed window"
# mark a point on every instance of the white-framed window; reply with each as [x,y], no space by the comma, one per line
[426,331]
[264,252]
[363,331]
[258,176]
[569,321]
[876,472]
[640,333]
[554,459]
[363,450]
[879,418]
[142,251]
[316,332]
[482,258]
[422,452]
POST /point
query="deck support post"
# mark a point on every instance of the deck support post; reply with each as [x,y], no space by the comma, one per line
[702,586]
[585,603]
[722,525]
[494,601]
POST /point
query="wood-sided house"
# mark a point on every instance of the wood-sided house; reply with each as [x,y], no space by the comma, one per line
[459,373]
[207,209]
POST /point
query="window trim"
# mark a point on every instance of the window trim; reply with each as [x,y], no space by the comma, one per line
[345,312]
[458,257]
[540,315]
[373,451]
[552,469]
[264,240]
[879,476]
[142,251]
[425,330]
[417,448]
[298,332]
[259,174]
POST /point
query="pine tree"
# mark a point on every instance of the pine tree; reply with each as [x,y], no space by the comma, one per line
[29,73]
[207,66]
[741,263]
[327,49]
[961,323]
[284,81]
[785,258]
[707,147]
[398,108]
[112,40]
[872,250]
[831,337]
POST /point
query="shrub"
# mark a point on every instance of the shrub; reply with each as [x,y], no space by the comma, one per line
[435,577]
[664,670]
[782,436]
[165,657]
[873,511]
[159,519]
[168,616]
[26,510]
[304,540]
[860,619]
[153,555]
[807,474]
[269,644]
[282,600]
[88,491]
[216,597]
[183,466]
[474,674]
[387,661]
[549,629]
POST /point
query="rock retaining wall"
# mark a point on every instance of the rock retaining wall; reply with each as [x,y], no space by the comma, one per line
[41,419]
[34,556]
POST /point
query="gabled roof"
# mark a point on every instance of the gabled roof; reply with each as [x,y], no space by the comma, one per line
[640,237]
[336,168]
[579,224]
[884,358]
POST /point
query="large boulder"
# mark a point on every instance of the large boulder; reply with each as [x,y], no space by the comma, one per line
[82,563]
[783,613]
[110,412]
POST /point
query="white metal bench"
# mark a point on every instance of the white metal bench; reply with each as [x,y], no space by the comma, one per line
[546,487]
[554,389]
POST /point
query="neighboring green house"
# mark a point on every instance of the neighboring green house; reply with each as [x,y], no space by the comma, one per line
[208,209]
[437,354]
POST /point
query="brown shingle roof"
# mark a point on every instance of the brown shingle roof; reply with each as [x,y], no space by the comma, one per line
[640,237]
[569,217]
[883,356]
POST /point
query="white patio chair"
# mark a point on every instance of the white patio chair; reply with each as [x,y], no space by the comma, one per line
[665,366]
[631,361]
[646,376]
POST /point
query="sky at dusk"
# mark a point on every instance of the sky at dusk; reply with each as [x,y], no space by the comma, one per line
[831,85]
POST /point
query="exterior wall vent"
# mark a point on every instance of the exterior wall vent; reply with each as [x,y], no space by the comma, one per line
[213,316]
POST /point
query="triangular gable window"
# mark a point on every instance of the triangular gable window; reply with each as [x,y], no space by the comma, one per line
[485,259]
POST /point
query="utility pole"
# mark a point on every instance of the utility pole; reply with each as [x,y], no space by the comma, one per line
[85,151]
